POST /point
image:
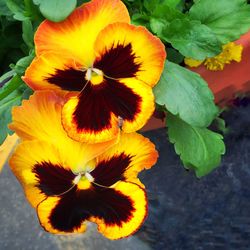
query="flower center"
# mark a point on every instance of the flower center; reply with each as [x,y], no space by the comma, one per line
[83,181]
[95,76]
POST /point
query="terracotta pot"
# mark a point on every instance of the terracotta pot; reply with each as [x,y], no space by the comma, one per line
[234,79]
[225,84]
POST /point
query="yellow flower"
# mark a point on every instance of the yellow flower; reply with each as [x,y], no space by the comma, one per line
[107,66]
[231,52]
[69,182]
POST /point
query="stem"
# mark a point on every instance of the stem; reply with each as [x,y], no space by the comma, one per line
[9,87]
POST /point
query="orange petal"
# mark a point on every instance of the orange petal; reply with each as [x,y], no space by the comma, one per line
[76,35]
[44,211]
[125,51]
[132,154]
[97,113]
[51,71]
[138,212]
[26,156]
[109,132]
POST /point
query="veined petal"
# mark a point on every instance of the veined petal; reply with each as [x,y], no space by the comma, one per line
[136,120]
[93,116]
[126,51]
[118,212]
[40,119]
[78,32]
[47,208]
[40,169]
[52,71]
[86,118]
[126,218]
[125,160]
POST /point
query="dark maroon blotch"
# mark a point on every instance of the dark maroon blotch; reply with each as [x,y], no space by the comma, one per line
[96,103]
[69,79]
[53,179]
[110,171]
[77,206]
[118,62]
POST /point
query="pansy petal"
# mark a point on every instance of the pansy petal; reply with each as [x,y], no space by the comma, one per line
[135,119]
[118,212]
[124,161]
[93,116]
[45,210]
[78,32]
[40,119]
[86,119]
[40,169]
[51,71]
[125,51]
[127,215]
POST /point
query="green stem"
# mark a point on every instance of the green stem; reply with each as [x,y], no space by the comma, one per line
[9,87]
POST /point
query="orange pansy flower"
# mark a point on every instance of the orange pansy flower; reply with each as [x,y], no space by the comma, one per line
[70,182]
[106,65]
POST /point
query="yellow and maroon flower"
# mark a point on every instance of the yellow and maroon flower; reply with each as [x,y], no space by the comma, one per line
[70,182]
[107,66]
[67,192]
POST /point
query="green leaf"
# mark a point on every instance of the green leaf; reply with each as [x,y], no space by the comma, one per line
[56,10]
[6,104]
[140,19]
[186,94]
[199,148]
[172,3]
[28,33]
[192,39]
[23,63]
[151,5]
[4,10]
[17,8]
[162,16]
[10,87]
[228,19]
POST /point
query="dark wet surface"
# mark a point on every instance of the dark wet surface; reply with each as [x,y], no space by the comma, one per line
[184,212]
[210,213]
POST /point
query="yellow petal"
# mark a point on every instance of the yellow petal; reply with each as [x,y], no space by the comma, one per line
[76,35]
[192,62]
[6,148]
[138,212]
[128,51]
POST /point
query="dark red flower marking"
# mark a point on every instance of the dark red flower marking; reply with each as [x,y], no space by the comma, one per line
[53,179]
[96,103]
[69,79]
[118,62]
[109,172]
[77,206]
